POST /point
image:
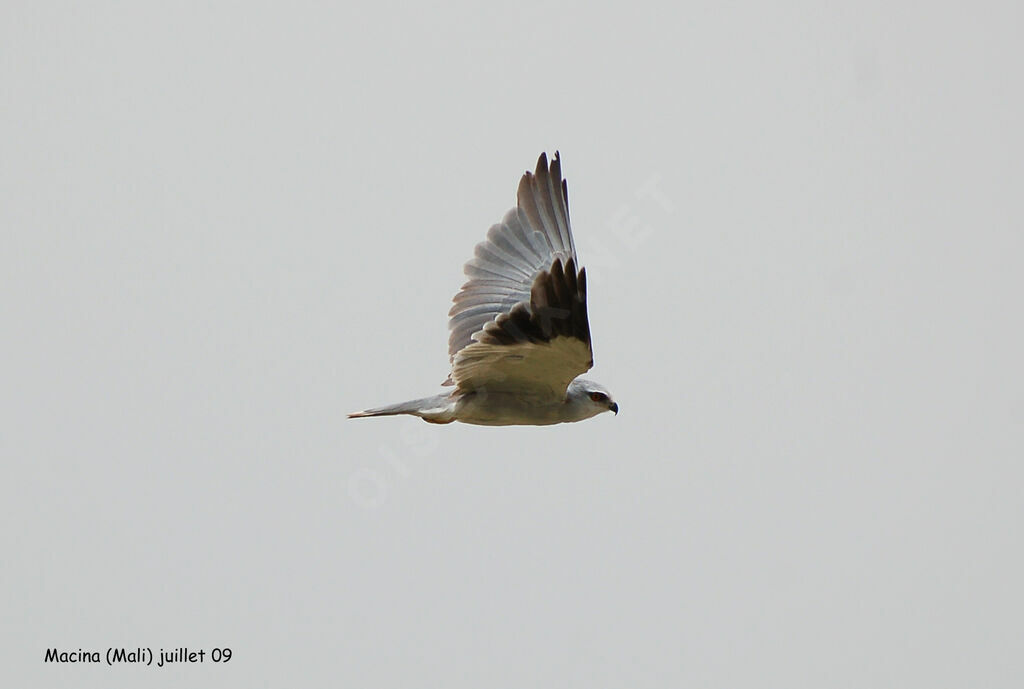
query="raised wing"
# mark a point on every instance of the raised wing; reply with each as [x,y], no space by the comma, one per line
[520,322]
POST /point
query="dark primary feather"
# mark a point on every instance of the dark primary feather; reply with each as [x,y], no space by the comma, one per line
[528,260]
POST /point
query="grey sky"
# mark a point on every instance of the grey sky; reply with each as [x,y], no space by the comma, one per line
[225,228]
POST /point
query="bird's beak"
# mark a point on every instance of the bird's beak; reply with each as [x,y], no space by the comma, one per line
[614,407]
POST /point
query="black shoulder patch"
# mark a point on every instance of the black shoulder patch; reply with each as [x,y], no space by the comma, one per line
[558,308]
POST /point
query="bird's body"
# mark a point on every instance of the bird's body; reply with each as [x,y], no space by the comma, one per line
[498,408]
[520,334]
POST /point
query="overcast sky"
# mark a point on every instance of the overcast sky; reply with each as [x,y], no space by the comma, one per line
[223,228]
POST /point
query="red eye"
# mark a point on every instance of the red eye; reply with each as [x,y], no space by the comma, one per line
[598,397]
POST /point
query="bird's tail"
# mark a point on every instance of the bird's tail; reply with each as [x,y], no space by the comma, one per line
[436,409]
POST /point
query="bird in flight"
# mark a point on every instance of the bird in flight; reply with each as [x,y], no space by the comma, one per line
[519,330]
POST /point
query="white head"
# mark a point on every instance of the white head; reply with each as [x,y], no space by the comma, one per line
[586,398]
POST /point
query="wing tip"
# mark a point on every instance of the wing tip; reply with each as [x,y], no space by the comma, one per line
[546,167]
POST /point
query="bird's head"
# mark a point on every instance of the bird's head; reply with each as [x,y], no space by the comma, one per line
[591,398]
